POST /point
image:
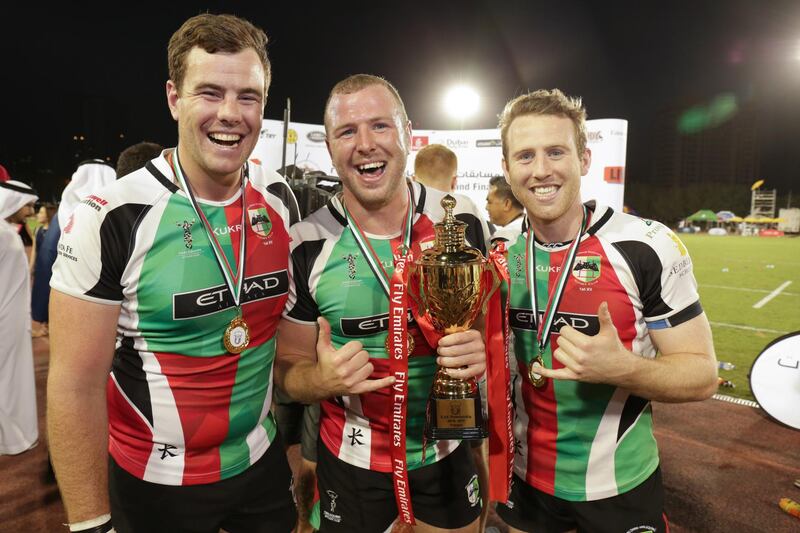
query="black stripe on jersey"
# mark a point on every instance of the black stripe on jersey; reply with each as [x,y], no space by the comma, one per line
[335,213]
[631,411]
[131,377]
[162,179]
[602,221]
[303,258]
[283,193]
[116,244]
[686,314]
[475,234]
[646,269]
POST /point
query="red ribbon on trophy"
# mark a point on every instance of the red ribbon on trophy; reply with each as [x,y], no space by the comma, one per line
[498,380]
[398,366]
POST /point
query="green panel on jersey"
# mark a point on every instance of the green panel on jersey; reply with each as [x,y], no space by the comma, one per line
[248,395]
[639,441]
[163,270]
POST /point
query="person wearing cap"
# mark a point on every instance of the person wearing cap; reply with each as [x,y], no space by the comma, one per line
[19,430]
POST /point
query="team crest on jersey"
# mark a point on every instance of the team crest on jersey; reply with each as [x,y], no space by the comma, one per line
[259,220]
[473,491]
[587,267]
[186,225]
[350,259]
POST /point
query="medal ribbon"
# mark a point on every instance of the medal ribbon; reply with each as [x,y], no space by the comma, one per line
[543,335]
[396,291]
[233,280]
[498,380]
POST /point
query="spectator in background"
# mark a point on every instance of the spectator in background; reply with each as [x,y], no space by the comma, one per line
[19,430]
[435,166]
[505,211]
[4,174]
[90,176]
[136,156]
[41,269]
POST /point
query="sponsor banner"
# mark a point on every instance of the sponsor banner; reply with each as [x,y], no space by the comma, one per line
[479,156]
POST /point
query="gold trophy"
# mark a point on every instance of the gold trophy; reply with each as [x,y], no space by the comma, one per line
[452,290]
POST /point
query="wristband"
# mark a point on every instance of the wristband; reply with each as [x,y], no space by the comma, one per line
[101,524]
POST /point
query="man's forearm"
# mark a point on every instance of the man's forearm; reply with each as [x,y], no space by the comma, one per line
[77,426]
[299,379]
[679,377]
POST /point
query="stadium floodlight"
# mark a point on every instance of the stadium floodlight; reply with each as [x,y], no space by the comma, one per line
[461,102]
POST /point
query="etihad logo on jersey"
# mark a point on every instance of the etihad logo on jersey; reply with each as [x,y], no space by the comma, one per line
[186,225]
[523,319]
[258,216]
[587,268]
[364,326]
[204,302]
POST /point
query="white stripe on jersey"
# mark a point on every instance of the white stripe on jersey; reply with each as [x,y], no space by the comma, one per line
[167,427]
[258,439]
[354,424]
[521,422]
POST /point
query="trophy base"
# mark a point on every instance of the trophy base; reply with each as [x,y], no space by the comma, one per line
[455,419]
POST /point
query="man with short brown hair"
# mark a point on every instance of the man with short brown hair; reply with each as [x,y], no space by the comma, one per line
[435,166]
[174,278]
[606,318]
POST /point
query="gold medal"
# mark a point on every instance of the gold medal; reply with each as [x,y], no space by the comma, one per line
[537,380]
[237,336]
[409,343]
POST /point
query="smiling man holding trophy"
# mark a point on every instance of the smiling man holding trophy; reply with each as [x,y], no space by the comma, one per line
[347,339]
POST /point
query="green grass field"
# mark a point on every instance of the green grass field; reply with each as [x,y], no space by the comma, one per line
[734,274]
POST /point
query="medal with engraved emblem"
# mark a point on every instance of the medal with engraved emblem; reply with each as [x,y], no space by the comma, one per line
[544,323]
[237,336]
[537,380]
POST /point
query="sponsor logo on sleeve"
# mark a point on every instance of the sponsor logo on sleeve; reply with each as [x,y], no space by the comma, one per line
[95,202]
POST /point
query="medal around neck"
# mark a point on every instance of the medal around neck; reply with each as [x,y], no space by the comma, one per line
[237,336]
[452,291]
[537,380]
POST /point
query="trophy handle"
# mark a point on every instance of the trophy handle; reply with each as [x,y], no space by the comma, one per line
[495,285]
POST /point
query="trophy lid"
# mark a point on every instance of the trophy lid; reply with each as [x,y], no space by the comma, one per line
[450,232]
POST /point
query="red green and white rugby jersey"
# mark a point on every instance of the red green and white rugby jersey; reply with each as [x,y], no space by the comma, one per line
[331,278]
[583,441]
[182,410]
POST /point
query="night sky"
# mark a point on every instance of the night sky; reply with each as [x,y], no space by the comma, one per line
[100,73]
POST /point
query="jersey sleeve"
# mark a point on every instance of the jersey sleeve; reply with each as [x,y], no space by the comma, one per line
[300,305]
[663,270]
[89,263]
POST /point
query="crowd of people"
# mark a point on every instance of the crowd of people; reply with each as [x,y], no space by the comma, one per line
[186,296]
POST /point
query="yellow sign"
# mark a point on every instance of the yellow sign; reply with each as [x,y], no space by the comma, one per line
[291,136]
[756,185]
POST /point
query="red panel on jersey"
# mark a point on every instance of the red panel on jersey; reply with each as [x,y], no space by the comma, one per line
[203,407]
[131,454]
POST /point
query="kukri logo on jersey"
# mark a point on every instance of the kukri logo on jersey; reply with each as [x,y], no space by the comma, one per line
[208,301]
